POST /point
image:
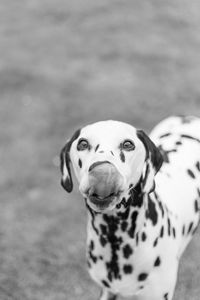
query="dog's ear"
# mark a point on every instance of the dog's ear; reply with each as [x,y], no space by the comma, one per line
[153,162]
[66,180]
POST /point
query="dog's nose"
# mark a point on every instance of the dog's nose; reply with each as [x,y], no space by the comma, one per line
[104,180]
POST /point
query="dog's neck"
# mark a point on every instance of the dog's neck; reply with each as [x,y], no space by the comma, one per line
[129,216]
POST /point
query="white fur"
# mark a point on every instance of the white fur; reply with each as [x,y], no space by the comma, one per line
[176,189]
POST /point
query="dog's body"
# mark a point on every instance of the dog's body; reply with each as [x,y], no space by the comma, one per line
[134,246]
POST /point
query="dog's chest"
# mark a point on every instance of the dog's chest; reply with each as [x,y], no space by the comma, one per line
[118,256]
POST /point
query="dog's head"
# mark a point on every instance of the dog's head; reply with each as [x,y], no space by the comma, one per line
[108,158]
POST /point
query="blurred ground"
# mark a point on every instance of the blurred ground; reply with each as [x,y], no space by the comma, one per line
[64,64]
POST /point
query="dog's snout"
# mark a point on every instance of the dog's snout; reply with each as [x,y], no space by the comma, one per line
[104,180]
[98,163]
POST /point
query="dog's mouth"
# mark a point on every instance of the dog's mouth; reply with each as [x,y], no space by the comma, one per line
[103,186]
[96,199]
[101,203]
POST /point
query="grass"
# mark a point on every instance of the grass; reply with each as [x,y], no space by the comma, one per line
[64,64]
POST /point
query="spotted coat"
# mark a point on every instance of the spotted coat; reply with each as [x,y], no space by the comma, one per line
[134,248]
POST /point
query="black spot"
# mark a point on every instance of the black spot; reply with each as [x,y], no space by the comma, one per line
[125,203]
[100,257]
[112,153]
[166,296]
[127,251]
[80,163]
[178,143]
[147,171]
[122,156]
[105,283]
[185,136]
[97,147]
[196,206]
[162,232]
[190,173]
[174,232]
[190,227]
[169,226]
[118,206]
[153,187]
[103,229]
[103,240]
[157,262]
[156,195]
[198,165]
[161,208]
[183,230]
[165,135]
[91,255]
[128,269]
[155,242]
[124,226]
[151,212]
[137,200]
[124,215]
[113,268]
[131,230]
[92,245]
[141,287]
[142,276]
[144,236]
[115,242]
[93,218]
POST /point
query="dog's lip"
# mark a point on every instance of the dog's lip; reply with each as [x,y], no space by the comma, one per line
[103,203]
[100,198]
[99,206]
[98,163]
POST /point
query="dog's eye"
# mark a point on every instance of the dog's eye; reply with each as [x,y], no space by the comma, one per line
[82,145]
[128,145]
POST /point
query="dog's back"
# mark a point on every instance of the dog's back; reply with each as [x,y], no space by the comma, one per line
[178,182]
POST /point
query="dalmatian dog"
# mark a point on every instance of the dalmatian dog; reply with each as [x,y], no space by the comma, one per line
[143,200]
